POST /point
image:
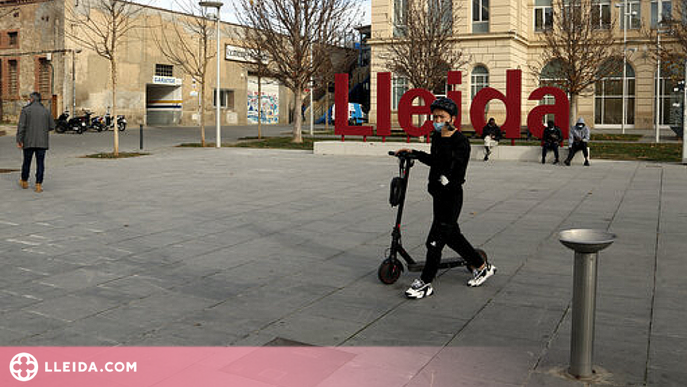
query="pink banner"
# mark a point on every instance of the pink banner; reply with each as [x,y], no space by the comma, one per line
[248,366]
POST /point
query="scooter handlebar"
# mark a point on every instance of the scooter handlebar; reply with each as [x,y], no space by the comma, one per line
[404,154]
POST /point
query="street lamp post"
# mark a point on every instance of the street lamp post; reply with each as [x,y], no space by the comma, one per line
[659,20]
[74,52]
[312,107]
[218,102]
[625,13]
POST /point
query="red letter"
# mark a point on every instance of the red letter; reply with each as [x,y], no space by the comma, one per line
[341,126]
[383,104]
[406,111]
[455,78]
[560,110]
[511,100]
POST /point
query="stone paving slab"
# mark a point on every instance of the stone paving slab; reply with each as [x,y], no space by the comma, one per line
[231,247]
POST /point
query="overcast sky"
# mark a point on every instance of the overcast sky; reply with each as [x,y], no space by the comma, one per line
[229,14]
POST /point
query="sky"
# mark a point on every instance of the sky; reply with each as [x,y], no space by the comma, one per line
[228,12]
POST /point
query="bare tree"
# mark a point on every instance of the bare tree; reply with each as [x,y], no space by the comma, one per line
[672,51]
[340,61]
[259,66]
[297,35]
[184,42]
[581,43]
[424,46]
[102,26]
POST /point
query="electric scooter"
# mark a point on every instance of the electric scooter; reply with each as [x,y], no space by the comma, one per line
[392,267]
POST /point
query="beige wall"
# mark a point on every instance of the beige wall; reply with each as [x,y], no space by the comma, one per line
[42,28]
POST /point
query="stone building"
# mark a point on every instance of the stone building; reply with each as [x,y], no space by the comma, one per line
[507,34]
[37,53]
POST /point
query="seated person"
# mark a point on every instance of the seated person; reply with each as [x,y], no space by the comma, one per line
[491,134]
[550,139]
[578,139]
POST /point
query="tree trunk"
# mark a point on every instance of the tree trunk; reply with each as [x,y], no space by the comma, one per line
[113,65]
[573,111]
[297,133]
[259,107]
[201,112]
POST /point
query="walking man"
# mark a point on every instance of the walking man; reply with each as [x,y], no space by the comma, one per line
[35,122]
[447,161]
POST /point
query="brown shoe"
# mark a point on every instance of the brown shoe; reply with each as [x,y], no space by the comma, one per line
[39,188]
[23,183]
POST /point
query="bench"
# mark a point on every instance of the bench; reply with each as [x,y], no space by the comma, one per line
[500,152]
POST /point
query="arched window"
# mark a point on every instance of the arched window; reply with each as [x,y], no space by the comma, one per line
[550,76]
[478,80]
[608,98]
[669,98]
[399,85]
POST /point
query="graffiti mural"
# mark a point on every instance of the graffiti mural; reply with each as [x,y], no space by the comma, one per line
[269,101]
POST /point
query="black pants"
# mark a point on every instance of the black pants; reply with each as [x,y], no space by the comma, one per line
[545,147]
[40,163]
[576,147]
[445,231]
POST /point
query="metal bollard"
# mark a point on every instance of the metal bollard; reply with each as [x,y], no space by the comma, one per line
[140,135]
[586,244]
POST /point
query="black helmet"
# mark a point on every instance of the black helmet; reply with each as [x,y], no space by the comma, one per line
[445,104]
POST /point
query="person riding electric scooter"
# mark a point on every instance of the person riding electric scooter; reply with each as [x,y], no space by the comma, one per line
[448,161]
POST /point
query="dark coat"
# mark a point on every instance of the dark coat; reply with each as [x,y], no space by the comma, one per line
[35,122]
[493,131]
[448,157]
[552,136]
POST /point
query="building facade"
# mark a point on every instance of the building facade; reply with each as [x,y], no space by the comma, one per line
[37,53]
[497,35]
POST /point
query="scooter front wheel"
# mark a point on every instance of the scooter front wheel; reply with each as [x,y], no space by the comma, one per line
[389,271]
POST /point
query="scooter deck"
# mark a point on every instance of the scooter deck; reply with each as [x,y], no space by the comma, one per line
[445,264]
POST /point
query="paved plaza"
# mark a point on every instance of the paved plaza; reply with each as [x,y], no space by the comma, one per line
[242,247]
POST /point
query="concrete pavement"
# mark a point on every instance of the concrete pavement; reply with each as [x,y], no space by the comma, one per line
[239,247]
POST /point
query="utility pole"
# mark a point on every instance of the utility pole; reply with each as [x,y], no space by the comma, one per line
[659,20]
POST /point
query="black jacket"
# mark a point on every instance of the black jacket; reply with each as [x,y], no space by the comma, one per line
[448,157]
[552,135]
[493,131]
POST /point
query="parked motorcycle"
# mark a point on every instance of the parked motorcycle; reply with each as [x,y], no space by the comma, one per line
[107,124]
[75,124]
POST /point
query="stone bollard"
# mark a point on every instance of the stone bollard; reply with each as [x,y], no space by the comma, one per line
[586,244]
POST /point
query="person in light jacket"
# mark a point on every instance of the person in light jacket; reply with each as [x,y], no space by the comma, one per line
[35,122]
[577,141]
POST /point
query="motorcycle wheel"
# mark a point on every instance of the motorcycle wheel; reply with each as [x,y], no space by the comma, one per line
[389,271]
[59,129]
[121,127]
[79,130]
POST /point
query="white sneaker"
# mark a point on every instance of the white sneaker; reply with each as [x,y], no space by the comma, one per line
[418,289]
[479,276]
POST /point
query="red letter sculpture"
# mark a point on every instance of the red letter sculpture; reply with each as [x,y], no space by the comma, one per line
[406,111]
[383,104]
[511,100]
[560,110]
[341,126]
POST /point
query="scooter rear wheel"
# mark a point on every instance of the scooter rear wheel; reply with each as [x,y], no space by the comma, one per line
[389,271]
